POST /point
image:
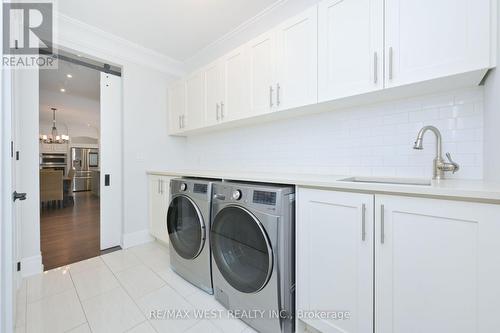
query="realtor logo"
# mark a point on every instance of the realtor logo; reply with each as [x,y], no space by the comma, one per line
[28,34]
[27,28]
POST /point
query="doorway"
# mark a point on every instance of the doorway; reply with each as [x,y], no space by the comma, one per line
[70,146]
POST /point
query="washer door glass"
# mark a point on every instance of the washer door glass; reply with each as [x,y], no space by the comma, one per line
[185,227]
[241,249]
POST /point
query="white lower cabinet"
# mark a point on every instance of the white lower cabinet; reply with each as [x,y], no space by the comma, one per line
[426,265]
[159,199]
[335,258]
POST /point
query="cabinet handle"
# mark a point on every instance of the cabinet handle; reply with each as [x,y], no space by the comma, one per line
[363,222]
[217,111]
[278,88]
[183,121]
[391,57]
[375,68]
[271,90]
[161,186]
[180,125]
[158,186]
[222,110]
[382,224]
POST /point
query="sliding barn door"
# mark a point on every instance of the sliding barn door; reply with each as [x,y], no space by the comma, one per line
[111,160]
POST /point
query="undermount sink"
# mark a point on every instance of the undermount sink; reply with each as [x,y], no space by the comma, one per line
[382,180]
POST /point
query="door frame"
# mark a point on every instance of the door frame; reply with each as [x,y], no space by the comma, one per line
[76,51]
[8,284]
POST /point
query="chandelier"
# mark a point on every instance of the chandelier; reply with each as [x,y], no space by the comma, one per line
[54,136]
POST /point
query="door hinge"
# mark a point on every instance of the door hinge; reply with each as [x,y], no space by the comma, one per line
[18,266]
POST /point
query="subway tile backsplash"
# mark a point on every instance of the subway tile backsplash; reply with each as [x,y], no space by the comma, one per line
[373,141]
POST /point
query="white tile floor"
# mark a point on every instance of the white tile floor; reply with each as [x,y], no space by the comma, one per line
[116,293]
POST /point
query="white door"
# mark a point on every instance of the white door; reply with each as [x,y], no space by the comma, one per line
[427,39]
[177,106]
[236,103]
[213,92]
[437,267]
[297,51]
[335,258]
[9,236]
[195,101]
[350,47]
[262,73]
[111,161]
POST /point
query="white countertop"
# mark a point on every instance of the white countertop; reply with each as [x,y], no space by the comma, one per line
[467,190]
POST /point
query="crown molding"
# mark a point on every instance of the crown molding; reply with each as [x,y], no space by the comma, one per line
[85,38]
[239,29]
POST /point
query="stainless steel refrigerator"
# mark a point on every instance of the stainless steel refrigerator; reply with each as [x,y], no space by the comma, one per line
[84,161]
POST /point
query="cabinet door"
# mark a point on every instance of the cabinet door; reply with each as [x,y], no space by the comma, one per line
[195,101]
[236,103]
[297,50]
[437,267]
[177,106]
[435,38]
[335,258]
[262,73]
[213,92]
[351,46]
[155,204]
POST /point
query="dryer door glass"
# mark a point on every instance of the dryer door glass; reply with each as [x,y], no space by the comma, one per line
[185,227]
[241,249]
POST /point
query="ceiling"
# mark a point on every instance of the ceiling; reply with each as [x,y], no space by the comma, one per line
[176,28]
[79,104]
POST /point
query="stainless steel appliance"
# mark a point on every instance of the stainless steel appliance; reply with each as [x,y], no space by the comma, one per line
[188,225]
[253,253]
[83,161]
[54,161]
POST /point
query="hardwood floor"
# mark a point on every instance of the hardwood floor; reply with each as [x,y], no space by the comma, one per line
[70,234]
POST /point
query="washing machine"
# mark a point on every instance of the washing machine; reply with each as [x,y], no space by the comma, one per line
[188,224]
[253,253]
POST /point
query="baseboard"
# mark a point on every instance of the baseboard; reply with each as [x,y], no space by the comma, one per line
[31,266]
[136,238]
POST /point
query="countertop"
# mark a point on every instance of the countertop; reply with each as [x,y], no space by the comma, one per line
[454,189]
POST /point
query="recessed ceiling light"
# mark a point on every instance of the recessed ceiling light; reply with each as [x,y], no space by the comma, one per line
[78,55]
[69,76]
[63,90]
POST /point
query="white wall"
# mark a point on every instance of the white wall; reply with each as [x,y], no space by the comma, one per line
[375,140]
[147,145]
[492,120]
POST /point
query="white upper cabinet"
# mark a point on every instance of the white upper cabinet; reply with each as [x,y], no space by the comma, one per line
[236,102]
[297,60]
[214,87]
[262,73]
[428,39]
[436,266]
[341,53]
[350,47]
[195,101]
[177,106]
[335,258]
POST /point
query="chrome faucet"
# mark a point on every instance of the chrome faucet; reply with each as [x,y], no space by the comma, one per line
[439,166]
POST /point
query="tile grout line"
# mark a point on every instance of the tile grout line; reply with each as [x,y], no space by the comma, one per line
[79,300]
[166,282]
[128,294]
